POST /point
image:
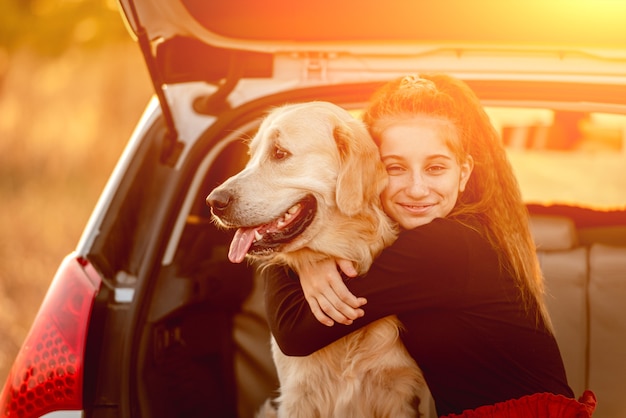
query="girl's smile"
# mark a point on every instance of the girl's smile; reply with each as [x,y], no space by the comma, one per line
[425,177]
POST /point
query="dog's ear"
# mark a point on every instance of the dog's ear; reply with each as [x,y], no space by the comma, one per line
[361,176]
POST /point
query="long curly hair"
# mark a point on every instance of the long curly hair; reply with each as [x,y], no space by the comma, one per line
[491,203]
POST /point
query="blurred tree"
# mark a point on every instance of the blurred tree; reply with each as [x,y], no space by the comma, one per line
[51,26]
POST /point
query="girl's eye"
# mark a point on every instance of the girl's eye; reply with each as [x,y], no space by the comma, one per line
[394,169]
[436,169]
[279,153]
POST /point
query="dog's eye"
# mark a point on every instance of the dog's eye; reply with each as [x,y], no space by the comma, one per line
[279,153]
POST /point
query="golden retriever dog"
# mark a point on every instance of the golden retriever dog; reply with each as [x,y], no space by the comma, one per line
[311,191]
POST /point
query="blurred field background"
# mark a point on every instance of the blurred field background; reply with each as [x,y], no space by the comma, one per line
[72,86]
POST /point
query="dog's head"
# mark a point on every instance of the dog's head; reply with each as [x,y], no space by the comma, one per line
[312,166]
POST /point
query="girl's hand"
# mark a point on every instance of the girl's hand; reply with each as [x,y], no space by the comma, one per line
[327,295]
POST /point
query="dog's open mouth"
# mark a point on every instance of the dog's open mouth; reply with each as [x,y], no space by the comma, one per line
[268,237]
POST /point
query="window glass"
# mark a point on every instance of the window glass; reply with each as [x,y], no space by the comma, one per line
[566,157]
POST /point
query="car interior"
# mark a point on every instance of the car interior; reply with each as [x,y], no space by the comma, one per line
[203,338]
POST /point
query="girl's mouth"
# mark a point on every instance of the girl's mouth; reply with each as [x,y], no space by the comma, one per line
[417,208]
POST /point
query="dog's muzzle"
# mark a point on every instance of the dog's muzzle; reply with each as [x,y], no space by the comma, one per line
[268,237]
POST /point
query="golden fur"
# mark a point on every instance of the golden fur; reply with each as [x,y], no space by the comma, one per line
[319,149]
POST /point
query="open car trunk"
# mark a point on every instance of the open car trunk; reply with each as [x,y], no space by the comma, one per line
[191,339]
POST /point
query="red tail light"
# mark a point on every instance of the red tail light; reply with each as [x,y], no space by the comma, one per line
[48,372]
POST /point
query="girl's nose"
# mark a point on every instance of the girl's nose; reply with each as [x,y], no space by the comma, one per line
[417,186]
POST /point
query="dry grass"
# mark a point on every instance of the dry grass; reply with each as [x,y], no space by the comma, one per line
[63,124]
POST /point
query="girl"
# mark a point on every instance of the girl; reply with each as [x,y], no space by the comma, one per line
[462,277]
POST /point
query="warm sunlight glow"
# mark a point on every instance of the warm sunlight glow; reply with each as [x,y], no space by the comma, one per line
[580,23]
[566,157]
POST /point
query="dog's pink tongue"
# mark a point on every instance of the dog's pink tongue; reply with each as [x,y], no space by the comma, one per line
[240,244]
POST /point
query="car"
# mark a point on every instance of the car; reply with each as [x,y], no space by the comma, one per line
[148,318]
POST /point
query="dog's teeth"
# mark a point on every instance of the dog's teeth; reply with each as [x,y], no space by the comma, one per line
[293,209]
[258,236]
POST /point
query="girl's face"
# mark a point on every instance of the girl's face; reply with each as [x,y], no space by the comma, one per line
[425,177]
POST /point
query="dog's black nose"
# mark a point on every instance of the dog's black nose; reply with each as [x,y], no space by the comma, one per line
[219,201]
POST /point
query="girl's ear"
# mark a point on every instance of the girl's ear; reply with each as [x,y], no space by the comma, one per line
[361,176]
[466,171]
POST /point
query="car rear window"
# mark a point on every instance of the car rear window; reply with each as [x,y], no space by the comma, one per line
[566,157]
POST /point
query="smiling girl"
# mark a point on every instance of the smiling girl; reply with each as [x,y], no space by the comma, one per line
[462,276]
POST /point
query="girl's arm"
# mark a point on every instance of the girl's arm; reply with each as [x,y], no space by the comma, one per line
[327,294]
[420,270]
[291,321]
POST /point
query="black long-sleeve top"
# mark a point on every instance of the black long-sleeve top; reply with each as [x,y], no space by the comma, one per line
[464,321]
